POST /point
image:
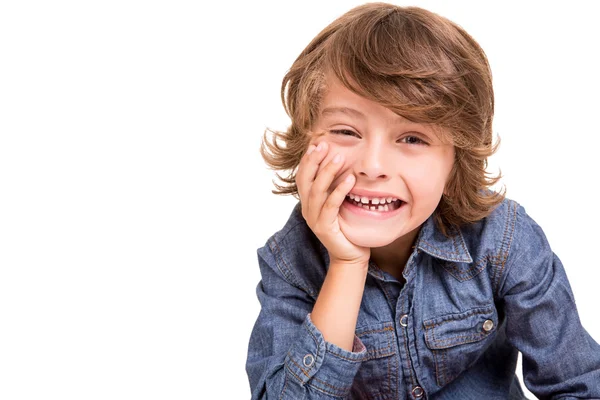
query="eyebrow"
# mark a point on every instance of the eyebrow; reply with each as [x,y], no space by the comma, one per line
[358,114]
[343,110]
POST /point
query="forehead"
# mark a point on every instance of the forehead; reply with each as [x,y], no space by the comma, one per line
[337,99]
[334,90]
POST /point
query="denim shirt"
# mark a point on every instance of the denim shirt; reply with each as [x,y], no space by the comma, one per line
[453,330]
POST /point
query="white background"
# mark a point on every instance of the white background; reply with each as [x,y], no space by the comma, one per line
[133,197]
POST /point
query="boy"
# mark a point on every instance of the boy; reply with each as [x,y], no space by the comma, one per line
[400,274]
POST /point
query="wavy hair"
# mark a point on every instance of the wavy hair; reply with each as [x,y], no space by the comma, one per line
[417,64]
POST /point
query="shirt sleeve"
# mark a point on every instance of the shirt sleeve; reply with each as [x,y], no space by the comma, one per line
[288,357]
[560,358]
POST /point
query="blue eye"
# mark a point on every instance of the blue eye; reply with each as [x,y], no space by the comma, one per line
[413,140]
[344,132]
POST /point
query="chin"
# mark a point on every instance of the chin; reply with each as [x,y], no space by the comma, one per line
[368,237]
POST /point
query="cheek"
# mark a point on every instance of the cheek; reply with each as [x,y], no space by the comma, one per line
[428,176]
[421,170]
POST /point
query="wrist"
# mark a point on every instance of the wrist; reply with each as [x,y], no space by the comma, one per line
[362,265]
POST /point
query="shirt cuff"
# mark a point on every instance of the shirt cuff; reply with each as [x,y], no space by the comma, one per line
[322,365]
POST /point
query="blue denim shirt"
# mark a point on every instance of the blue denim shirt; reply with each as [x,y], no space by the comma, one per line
[453,330]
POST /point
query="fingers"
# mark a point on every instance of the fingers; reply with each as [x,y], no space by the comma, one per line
[319,190]
[307,170]
[331,208]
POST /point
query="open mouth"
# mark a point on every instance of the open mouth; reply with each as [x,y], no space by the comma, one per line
[381,205]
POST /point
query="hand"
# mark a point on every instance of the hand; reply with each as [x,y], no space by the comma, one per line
[321,209]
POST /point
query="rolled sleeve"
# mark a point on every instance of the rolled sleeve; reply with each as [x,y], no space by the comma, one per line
[288,357]
[324,366]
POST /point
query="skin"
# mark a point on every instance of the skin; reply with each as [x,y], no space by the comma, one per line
[383,152]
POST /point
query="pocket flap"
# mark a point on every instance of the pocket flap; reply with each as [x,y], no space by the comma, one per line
[460,328]
[378,339]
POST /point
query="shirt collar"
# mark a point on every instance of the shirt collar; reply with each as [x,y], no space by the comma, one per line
[450,248]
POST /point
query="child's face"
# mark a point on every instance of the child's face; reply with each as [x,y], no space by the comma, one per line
[390,157]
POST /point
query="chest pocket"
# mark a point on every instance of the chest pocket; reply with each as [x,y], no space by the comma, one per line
[458,340]
[377,377]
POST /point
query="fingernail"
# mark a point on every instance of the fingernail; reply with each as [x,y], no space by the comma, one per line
[350,178]
[320,146]
[337,159]
[311,148]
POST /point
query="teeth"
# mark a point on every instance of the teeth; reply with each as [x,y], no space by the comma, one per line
[372,201]
[380,207]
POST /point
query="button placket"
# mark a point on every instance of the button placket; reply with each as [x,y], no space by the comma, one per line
[407,348]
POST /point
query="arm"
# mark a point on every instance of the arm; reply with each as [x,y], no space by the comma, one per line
[288,356]
[336,310]
[560,359]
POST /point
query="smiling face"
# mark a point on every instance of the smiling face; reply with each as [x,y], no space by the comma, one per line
[403,163]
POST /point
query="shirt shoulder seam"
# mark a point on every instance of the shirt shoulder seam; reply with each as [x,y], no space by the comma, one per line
[499,260]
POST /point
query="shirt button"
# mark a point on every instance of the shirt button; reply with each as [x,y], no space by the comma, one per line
[418,392]
[404,320]
[308,360]
[488,325]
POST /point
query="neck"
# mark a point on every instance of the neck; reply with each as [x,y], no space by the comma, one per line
[393,257]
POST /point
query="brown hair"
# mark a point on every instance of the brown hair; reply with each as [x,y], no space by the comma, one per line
[419,65]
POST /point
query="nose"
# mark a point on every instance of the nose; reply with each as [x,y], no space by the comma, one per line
[372,162]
